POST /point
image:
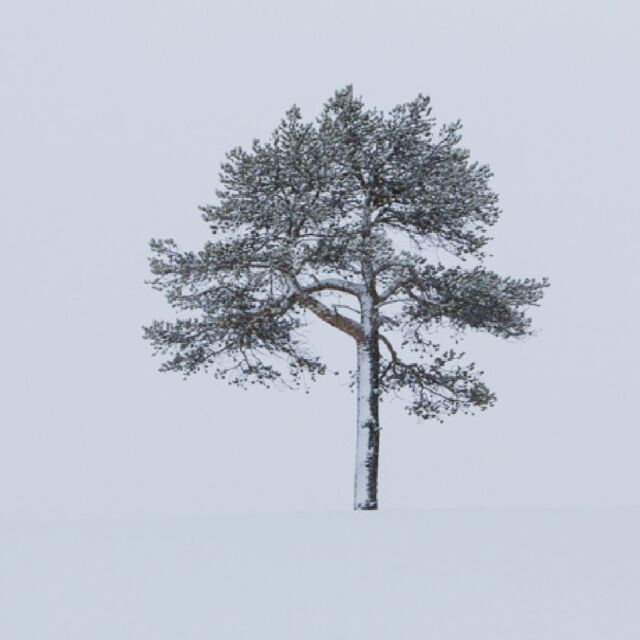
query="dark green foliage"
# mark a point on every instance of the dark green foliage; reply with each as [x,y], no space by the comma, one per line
[353,205]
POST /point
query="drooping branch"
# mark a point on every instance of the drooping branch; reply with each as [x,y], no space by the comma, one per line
[441,387]
[392,352]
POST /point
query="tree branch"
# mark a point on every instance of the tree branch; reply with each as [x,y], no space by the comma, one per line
[392,351]
[333,284]
[330,316]
[413,280]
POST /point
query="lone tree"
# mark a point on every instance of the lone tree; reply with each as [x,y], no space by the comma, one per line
[358,204]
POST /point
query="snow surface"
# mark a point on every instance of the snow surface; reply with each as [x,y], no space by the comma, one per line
[442,575]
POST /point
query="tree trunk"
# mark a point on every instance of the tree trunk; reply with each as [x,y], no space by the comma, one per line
[368,428]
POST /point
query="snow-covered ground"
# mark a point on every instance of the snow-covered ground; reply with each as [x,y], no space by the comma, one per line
[441,575]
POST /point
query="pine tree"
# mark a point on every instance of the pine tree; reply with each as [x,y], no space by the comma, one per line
[360,205]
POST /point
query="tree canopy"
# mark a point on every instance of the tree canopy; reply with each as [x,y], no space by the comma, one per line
[352,203]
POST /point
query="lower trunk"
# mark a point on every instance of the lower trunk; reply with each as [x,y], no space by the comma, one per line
[368,433]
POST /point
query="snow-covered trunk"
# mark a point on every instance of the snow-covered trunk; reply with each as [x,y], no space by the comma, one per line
[368,429]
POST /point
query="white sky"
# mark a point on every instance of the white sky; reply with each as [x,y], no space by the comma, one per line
[114,118]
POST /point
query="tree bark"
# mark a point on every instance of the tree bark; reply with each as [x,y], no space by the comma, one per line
[368,424]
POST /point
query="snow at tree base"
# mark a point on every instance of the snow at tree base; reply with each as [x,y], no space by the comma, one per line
[475,574]
[367,221]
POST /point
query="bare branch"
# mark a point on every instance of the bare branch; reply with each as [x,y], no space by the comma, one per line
[392,351]
[330,316]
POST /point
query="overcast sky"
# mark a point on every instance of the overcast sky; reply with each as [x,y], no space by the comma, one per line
[115,117]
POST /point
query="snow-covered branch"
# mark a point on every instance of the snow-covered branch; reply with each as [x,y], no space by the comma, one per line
[322,311]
